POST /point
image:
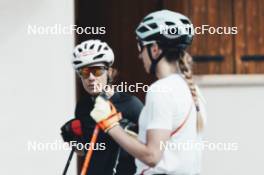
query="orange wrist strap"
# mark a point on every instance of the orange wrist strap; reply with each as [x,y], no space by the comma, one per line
[105,124]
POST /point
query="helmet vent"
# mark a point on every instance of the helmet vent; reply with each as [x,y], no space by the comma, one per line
[99,48]
[168,23]
[80,49]
[74,55]
[153,26]
[142,29]
[147,19]
[105,48]
[85,46]
[98,56]
[77,62]
[184,21]
[92,46]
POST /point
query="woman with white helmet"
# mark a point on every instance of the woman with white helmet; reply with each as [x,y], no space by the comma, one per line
[172,116]
[92,61]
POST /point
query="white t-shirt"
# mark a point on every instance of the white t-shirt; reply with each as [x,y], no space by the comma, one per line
[168,103]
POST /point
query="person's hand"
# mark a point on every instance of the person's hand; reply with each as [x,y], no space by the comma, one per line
[102,109]
[105,114]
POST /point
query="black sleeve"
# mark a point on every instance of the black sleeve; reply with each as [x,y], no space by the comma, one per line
[83,107]
[130,106]
[82,112]
[133,109]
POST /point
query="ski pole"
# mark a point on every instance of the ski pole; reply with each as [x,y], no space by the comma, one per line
[68,162]
[92,142]
[90,151]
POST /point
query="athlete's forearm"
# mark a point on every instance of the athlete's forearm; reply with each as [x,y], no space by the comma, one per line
[143,152]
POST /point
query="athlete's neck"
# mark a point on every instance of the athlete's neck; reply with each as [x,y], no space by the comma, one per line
[164,68]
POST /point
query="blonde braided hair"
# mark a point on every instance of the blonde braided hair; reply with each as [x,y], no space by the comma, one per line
[185,65]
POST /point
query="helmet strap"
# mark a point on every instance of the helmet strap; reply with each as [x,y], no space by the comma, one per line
[154,62]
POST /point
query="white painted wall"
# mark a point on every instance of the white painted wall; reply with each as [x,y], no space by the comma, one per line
[235,114]
[37,85]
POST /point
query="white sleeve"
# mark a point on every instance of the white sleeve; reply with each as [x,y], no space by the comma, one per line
[158,110]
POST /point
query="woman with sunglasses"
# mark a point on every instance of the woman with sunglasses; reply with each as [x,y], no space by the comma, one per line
[92,61]
[171,117]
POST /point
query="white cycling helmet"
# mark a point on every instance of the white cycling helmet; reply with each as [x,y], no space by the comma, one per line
[92,52]
[153,29]
[170,30]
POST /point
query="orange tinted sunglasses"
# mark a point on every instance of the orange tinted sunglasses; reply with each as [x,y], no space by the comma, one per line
[96,71]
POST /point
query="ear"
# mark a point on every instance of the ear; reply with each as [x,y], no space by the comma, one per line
[112,74]
[155,50]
